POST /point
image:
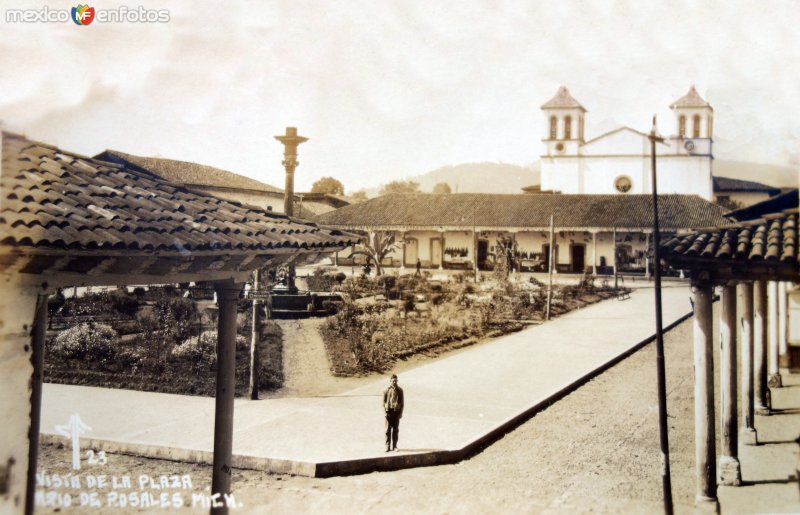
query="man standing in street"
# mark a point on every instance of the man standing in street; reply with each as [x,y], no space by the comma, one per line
[393,407]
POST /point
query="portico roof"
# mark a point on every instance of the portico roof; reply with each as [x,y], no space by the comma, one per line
[465,211]
[764,248]
[83,220]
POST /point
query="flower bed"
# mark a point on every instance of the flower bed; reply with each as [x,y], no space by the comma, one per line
[371,331]
[166,354]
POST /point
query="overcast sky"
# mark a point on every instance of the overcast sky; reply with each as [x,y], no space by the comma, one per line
[387,89]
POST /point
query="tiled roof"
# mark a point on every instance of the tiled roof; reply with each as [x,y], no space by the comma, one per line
[771,240]
[562,99]
[786,200]
[728,184]
[190,174]
[465,210]
[691,99]
[54,200]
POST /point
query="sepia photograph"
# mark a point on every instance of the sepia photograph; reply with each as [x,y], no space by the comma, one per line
[406,257]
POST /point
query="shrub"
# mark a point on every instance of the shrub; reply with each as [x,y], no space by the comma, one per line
[128,327]
[204,348]
[320,280]
[55,302]
[90,341]
[175,316]
[437,299]
[123,303]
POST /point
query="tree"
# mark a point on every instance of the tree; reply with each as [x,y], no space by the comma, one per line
[400,187]
[442,188]
[358,196]
[375,247]
[328,185]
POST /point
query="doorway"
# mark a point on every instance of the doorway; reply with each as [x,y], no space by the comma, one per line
[483,252]
[411,253]
[436,252]
[578,258]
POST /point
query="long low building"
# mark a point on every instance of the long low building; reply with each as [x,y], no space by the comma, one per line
[592,232]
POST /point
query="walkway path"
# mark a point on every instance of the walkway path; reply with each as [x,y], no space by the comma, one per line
[454,405]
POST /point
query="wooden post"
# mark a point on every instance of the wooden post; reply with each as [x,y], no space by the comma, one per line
[730,469]
[550,268]
[227,296]
[255,336]
[783,342]
[38,335]
[594,252]
[614,260]
[647,257]
[475,252]
[704,420]
[336,258]
[747,434]
[774,374]
[762,403]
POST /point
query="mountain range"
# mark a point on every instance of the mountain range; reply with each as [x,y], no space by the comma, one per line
[489,177]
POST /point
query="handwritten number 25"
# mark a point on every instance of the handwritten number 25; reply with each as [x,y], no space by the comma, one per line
[98,459]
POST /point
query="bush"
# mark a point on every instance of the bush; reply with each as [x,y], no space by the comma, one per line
[437,299]
[123,303]
[89,341]
[55,302]
[320,280]
[128,327]
[204,349]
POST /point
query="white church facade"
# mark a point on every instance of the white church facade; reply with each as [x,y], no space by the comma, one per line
[618,162]
[598,193]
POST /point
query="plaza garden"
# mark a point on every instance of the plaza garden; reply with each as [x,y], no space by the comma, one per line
[164,339]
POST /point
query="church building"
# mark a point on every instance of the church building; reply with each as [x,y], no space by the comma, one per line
[598,193]
[618,162]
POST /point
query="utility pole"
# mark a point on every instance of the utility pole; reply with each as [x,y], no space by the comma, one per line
[290,142]
[666,482]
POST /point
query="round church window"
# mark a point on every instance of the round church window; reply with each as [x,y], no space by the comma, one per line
[623,184]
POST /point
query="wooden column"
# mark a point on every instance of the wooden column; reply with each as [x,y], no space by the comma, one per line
[594,252]
[442,243]
[647,257]
[760,347]
[730,471]
[18,308]
[475,252]
[614,255]
[403,259]
[774,374]
[227,296]
[783,342]
[38,335]
[747,434]
[704,420]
